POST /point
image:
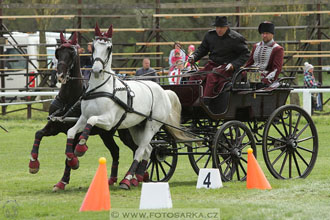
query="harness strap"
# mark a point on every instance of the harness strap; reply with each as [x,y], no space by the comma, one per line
[126,107]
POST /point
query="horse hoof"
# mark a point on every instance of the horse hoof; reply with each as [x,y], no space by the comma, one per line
[73,163]
[34,166]
[59,186]
[134,182]
[112,180]
[80,150]
[146,177]
[125,184]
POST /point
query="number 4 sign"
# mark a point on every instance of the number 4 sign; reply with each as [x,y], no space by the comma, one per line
[209,179]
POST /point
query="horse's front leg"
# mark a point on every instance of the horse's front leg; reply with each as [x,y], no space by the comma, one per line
[99,121]
[72,159]
[66,175]
[48,130]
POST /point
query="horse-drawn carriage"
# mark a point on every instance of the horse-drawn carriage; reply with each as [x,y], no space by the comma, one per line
[214,135]
[240,117]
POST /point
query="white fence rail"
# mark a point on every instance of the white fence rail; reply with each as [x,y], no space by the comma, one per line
[307,97]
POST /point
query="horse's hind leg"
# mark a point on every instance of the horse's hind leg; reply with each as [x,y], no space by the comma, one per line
[141,136]
[48,130]
[110,143]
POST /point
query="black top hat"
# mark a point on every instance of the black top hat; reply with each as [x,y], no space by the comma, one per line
[220,21]
[266,26]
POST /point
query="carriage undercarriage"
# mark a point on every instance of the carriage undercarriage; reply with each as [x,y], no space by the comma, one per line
[238,119]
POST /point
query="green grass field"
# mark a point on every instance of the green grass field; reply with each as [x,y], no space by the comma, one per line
[27,196]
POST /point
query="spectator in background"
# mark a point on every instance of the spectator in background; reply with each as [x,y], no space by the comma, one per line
[179,66]
[191,49]
[309,82]
[177,56]
[177,46]
[53,77]
[86,62]
[146,70]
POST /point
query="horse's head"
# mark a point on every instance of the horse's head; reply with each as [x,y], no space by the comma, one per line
[102,50]
[67,55]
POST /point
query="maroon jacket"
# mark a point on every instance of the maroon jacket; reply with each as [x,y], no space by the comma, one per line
[269,58]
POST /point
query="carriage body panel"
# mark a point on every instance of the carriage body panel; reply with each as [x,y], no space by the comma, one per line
[243,105]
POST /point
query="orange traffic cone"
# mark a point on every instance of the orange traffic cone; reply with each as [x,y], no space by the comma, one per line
[98,195]
[255,177]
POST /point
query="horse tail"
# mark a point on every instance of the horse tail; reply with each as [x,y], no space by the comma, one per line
[174,118]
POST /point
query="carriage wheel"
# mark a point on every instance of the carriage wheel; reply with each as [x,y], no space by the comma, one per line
[290,143]
[163,157]
[229,150]
[200,153]
[200,157]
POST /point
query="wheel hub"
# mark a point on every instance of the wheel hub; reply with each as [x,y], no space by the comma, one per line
[159,153]
[236,153]
[291,144]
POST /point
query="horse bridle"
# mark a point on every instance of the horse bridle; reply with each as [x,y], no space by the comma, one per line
[103,62]
[67,75]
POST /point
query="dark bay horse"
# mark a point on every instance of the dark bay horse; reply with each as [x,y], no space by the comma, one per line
[68,73]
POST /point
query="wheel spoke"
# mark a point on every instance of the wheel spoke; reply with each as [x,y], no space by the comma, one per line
[290,165]
[297,165]
[284,126]
[278,130]
[297,123]
[278,157]
[301,158]
[302,130]
[244,145]
[152,170]
[157,172]
[225,146]
[276,139]
[228,166]
[243,169]
[202,155]
[228,142]
[276,148]
[283,163]
[302,148]
[244,160]
[162,168]
[305,139]
[207,161]
[290,122]
[237,172]
[225,161]
[168,164]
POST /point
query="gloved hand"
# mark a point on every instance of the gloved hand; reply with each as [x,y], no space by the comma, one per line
[229,67]
[191,59]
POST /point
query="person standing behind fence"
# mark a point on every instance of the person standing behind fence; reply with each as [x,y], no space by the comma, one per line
[309,82]
[177,46]
[267,55]
[177,71]
[146,70]
[53,77]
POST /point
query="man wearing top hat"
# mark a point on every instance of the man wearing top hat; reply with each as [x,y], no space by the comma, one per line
[227,52]
[267,55]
